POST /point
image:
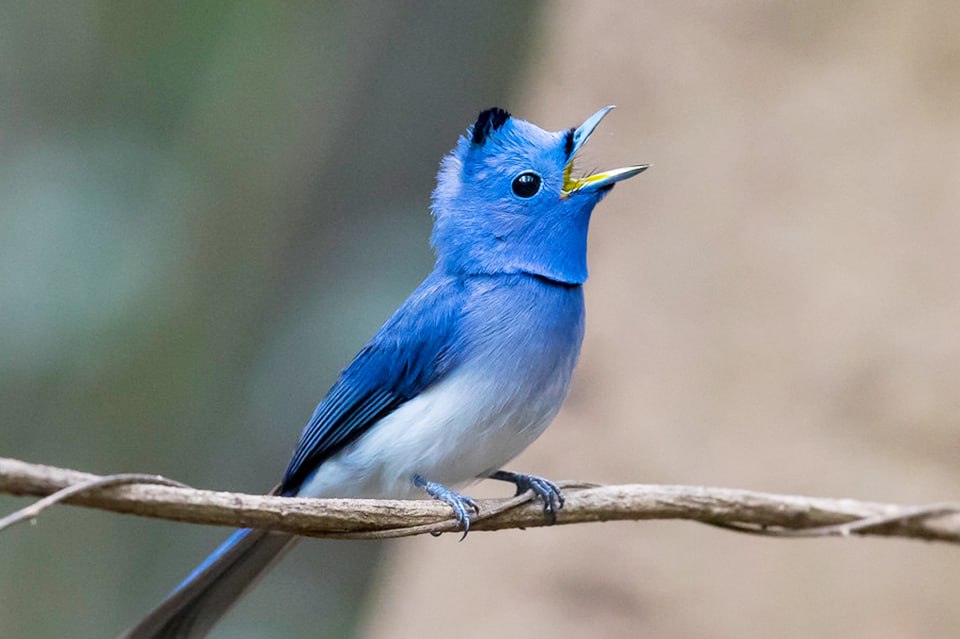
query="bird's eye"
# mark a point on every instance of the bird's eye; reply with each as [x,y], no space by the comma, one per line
[526,184]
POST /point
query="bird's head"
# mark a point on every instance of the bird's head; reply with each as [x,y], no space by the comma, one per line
[508,199]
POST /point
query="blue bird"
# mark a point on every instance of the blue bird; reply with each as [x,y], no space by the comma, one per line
[469,370]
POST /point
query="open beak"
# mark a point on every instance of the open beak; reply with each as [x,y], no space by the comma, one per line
[597,181]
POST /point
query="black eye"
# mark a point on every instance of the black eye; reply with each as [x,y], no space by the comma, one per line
[526,184]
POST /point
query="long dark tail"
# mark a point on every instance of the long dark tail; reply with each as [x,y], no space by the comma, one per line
[190,611]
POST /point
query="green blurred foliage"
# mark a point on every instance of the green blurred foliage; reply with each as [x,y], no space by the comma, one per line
[206,209]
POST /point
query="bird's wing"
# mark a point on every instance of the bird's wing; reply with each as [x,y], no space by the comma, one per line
[410,352]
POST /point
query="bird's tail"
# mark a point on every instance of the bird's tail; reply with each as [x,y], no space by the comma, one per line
[192,609]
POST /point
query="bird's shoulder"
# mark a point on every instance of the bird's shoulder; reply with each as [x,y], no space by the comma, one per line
[412,347]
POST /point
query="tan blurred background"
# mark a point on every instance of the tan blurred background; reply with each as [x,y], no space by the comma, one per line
[774,305]
[208,207]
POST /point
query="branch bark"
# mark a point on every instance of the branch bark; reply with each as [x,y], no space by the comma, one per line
[740,510]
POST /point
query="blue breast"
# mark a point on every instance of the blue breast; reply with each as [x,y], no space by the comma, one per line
[523,328]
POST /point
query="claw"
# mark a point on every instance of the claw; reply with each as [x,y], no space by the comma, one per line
[543,489]
[461,504]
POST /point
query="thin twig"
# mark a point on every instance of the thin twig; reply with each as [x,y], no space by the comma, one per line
[34,509]
[739,510]
[849,528]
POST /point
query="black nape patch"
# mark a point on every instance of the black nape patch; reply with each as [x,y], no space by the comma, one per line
[568,142]
[487,122]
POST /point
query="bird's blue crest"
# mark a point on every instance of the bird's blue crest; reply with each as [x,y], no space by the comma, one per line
[483,226]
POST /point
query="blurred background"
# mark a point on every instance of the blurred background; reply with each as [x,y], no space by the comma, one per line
[207,208]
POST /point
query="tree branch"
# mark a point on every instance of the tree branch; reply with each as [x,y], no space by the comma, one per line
[739,510]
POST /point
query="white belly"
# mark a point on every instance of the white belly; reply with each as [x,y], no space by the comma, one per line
[461,429]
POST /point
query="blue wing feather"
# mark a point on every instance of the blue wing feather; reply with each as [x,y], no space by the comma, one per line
[407,354]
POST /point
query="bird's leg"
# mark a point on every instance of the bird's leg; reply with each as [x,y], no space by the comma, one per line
[544,490]
[461,504]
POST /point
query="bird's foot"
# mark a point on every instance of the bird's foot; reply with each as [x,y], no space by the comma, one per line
[543,489]
[461,504]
